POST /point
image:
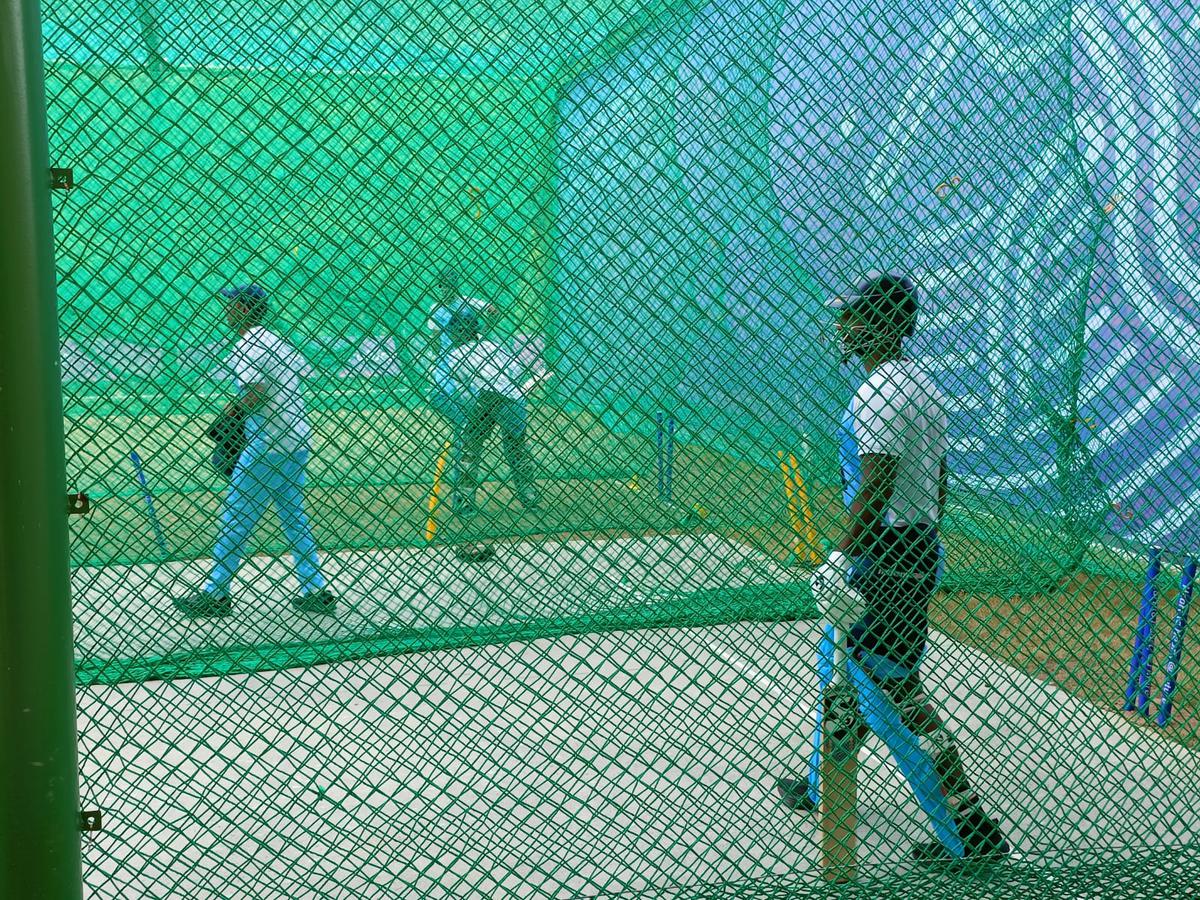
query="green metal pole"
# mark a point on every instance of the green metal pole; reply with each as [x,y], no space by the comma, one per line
[39,773]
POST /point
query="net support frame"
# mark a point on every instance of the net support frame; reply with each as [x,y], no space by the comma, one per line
[39,813]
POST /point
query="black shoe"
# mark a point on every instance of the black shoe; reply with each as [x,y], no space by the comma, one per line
[203,605]
[983,842]
[794,793]
[475,553]
[321,602]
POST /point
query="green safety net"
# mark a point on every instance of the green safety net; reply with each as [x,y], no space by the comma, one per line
[571,644]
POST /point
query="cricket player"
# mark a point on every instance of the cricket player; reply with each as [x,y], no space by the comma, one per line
[491,380]
[271,469]
[885,569]
[446,396]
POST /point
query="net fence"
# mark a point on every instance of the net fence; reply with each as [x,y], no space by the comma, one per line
[521,574]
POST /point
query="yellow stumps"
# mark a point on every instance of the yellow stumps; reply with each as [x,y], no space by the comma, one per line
[435,493]
[810,529]
[799,512]
[793,513]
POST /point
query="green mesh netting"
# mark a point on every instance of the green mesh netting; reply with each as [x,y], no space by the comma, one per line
[585,676]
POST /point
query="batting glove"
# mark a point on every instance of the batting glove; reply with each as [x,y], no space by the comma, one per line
[840,604]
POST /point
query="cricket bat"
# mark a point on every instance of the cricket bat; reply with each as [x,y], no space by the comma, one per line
[435,495]
[839,774]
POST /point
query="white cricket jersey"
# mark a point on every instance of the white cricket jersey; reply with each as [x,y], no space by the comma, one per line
[486,366]
[899,412]
[280,423]
[438,324]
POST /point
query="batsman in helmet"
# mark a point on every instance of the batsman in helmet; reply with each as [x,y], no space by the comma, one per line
[876,585]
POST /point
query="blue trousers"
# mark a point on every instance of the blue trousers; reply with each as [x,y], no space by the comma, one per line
[262,479]
[880,721]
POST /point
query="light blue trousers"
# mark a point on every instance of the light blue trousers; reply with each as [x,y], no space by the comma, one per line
[883,718]
[262,479]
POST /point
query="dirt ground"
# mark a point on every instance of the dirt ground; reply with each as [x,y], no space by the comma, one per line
[1080,638]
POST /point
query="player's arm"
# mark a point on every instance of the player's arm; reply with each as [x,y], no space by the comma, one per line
[251,398]
[251,372]
[528,374]
[450,374]
[867,509]
[531,374]
[436,325]
[536,381]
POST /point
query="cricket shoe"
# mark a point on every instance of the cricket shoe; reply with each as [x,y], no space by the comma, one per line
[475,553]
[794,794]
[203,605]
[321,602]
[983,842]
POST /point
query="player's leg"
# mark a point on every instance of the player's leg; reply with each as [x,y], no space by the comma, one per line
[245,503]
[286,487]
[906,576]
[478,426]
[920,717]
[916,764]
[981,835]
[513,420]
[443,404]
[455,413]
[450,408]
[893,704]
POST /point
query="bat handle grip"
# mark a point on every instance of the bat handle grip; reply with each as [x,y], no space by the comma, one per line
[840,674]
